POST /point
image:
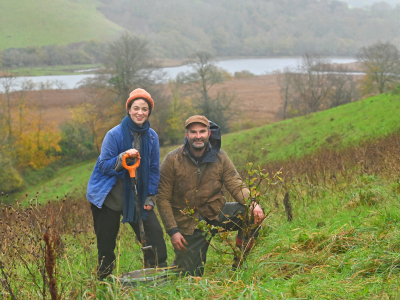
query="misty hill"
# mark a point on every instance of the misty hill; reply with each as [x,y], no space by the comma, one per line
[364,3]
[177,28]
[255,27]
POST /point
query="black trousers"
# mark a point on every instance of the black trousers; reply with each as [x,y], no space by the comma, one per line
[106,226]
[194,259]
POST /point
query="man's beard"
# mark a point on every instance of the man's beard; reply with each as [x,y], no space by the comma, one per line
[198,146]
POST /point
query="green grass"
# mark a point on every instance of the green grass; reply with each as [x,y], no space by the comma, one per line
[343,241]
[54,70]
[71,181]
[37,23]
[339,127]
[334,128]
[336,247]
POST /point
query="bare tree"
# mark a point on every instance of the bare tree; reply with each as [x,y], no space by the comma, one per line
[128,64]
[285,81]
[381,63]
[203,76]
[315,85]
[7,83]
[131,64]
[26,85]
[312,83]
[344,88]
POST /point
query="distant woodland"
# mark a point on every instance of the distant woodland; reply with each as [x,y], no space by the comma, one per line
[366,3]
[255,27]
[228,28]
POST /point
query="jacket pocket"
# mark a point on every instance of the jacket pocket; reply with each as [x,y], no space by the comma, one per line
[212,206]
[182,220]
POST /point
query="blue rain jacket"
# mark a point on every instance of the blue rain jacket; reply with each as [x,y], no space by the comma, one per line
[104,176]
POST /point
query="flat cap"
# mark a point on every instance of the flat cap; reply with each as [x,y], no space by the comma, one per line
[197,119]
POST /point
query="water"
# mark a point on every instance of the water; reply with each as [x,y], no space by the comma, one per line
[257,66]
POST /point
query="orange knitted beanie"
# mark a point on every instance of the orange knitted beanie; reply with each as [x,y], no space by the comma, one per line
[140,93]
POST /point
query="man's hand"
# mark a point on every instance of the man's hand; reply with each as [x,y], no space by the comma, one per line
[258,213]
[177,241]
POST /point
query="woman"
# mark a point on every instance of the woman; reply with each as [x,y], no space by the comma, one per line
[110,190]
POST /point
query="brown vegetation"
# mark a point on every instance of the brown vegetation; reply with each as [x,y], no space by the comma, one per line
[258,100]
[56,103]
[371,158]
[33,238]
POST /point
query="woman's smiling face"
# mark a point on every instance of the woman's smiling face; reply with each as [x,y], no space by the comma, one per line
[139,111]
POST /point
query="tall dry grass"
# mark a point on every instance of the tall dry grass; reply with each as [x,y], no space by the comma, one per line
[36,257]
[377,157]
[33,244]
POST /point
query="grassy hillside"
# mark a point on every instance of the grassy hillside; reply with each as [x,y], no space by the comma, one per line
[25,23]
[335,128]
[342,241]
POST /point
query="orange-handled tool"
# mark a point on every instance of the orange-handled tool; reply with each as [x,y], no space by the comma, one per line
[131,170]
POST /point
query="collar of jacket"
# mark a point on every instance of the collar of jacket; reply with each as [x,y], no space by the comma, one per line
[211,153]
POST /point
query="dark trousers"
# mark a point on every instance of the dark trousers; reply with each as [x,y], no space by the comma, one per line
[106,226]
[194,259]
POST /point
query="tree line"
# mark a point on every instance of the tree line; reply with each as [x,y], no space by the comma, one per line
[315,84]
[52,55]
[178,28]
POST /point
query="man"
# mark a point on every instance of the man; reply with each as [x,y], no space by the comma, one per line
[191,177]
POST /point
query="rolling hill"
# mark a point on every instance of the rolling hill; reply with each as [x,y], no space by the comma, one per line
[38,23]
[177,28]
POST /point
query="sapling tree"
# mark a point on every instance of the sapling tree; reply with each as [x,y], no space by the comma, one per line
[258,182]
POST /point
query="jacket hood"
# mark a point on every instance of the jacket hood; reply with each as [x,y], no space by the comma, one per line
[215,137]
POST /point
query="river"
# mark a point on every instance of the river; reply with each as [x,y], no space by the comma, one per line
[257,66]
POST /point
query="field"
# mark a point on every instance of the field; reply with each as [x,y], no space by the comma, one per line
[257,99]
[341,243]
[52,70]
[26,23]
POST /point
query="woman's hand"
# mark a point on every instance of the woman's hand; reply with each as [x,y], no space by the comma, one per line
[148,207]
[133,153]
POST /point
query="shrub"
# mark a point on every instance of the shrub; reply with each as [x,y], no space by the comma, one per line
[76,142]
[10,179]
[244,74]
